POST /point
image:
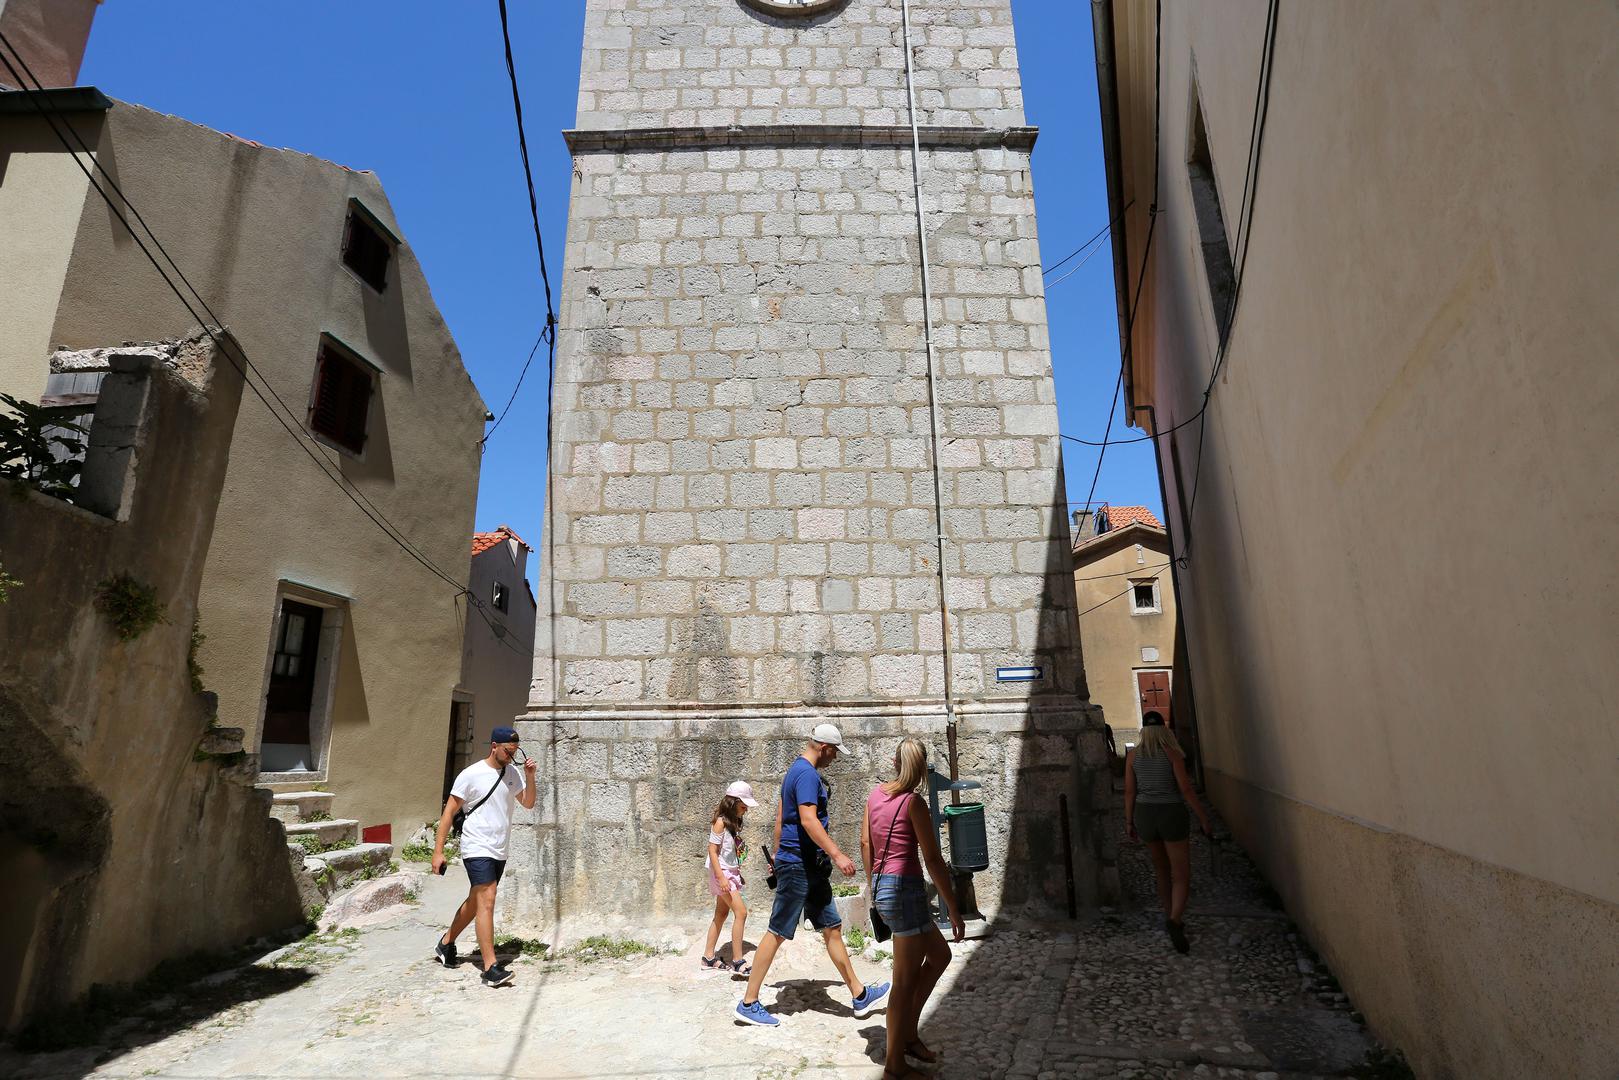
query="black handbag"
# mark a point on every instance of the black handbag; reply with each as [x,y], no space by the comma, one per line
[879,927]
[459,821]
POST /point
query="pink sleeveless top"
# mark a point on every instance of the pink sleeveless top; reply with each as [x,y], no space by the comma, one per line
[893,838]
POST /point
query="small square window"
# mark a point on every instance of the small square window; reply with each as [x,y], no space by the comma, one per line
[366,250]
[500,597]
[1144,597]
[342,398]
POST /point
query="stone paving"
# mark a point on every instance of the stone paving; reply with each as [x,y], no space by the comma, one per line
[1106,997]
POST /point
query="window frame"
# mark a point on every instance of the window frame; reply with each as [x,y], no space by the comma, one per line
[1157,607]
[330,346]
[357,212]
[500,597]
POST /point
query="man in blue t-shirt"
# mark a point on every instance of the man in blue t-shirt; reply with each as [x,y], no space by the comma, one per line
[805,855]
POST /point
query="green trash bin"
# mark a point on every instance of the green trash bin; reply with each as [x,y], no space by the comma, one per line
[969,841]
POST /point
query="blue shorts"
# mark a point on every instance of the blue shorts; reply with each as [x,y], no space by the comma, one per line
[903,904]
[481,871]
[802,895]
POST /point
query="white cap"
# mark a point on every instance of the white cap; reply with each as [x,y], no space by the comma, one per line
[828,733]
[743,790]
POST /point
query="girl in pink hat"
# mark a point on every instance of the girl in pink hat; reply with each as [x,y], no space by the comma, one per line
[725,855]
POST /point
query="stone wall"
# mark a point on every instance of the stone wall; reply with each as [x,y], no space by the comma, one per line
[130,830]
[706,63]
[621,825]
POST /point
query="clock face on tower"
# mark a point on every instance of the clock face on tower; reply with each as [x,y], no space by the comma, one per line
[794,8]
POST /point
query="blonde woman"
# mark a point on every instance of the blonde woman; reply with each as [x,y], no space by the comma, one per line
[896,838]
[1155,782]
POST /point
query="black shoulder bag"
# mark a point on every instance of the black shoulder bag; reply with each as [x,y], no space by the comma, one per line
[879,928]
[459,821]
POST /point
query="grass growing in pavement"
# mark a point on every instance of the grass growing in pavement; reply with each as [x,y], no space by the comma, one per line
[605,947]
[526,946]
[841,889]
[856,937]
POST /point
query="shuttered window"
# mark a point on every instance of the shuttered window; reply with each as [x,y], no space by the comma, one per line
[365,250]
[342,399]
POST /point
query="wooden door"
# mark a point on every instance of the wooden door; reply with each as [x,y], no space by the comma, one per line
[292,675]
[1153,687]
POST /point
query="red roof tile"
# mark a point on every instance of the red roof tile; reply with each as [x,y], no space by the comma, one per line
[1120,516]
[482,542]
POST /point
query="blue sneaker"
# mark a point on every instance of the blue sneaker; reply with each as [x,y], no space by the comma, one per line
[867,1001]
[755,1014]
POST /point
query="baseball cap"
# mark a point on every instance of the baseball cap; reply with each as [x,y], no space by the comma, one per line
[743,790]
[503,734]
[828,733]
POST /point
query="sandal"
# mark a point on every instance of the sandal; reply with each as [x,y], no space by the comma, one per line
[917,1049]
[712,963]
[740,967]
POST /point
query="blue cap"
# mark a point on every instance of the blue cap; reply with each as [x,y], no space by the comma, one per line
[503,734]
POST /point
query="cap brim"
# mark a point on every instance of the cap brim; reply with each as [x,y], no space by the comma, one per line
[750,802]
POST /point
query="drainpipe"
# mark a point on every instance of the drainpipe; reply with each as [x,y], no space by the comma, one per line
[933,398]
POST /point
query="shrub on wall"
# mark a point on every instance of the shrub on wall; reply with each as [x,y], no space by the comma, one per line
[131,606]
[40,446]
[192,666]
[7,583]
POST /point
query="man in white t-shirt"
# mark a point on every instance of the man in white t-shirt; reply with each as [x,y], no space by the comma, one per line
[487,790]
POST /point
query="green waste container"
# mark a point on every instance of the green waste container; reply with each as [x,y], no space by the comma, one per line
[969,842]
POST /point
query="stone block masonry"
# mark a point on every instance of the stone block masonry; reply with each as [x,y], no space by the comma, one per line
[743,533]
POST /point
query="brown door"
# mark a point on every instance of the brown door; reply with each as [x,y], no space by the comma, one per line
[292,675]
[1154,689]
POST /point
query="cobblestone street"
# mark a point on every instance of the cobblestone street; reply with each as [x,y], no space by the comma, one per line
[1108,998]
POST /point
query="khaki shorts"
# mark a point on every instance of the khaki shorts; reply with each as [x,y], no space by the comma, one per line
[1168,822]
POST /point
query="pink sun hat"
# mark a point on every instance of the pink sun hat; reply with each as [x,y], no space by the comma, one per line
[741,789]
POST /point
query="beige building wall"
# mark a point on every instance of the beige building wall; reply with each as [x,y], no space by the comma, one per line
[1400,635]
[499,652]
[1117,641]
[259,232]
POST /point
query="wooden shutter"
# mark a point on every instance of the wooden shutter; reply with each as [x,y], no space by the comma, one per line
[342,400]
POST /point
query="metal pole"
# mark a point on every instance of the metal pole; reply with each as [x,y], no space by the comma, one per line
[933,399]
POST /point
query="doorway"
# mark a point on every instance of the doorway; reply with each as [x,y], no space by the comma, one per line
[286,745]
[1152,689]
[458,747]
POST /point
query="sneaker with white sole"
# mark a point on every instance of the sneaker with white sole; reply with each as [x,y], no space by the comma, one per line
[869,998]
[496,975]
[755,1013]
[445,953]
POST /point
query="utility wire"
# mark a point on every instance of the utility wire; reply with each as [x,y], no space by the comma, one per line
[230,349]
[549,333]
[1095,237]
[1077,268]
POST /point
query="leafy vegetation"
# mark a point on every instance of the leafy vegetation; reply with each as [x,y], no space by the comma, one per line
[856,937]
[130,605]
[41,447]
[606,947]
[526,946]
[7,583]
[192,666]
[840,888]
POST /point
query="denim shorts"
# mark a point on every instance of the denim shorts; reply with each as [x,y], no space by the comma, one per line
[481,871]
[903,904]
[801,895]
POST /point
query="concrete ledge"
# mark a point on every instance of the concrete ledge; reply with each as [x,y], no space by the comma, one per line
[624,140]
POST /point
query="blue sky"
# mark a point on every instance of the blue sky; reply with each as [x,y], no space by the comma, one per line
[421,99]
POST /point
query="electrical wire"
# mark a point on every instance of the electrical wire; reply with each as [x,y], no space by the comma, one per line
[1094,238]
[1076,269]
[229,348]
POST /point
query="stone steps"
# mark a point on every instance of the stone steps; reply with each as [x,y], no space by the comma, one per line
[330,831]
[345,865]
[297,806]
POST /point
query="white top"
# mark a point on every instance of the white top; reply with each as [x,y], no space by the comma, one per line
[727,845]
[487,830]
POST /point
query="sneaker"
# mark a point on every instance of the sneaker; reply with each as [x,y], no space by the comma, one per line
[1177,935]
[496,975]
[755,1013]
[868,1000]
[445,954]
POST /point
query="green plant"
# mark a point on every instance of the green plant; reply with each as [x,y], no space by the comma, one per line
[605,947]
[857,937]
[317,815]
[192,666]
[841,889]
[526,946]
[40,446]
[7,583]
[882,956]
[130,605]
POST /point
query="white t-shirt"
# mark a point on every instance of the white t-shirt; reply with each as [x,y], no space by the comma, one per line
[727,844]
[487,829]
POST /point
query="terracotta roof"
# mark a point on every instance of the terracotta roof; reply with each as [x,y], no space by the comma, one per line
[482,542]
[1120,516]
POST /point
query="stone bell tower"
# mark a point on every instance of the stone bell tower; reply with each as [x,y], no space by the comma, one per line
[749,495]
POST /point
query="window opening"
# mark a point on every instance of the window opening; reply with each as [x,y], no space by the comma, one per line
[1211,228]
[500,600]
[342,398]
[1144,597]
[366,250]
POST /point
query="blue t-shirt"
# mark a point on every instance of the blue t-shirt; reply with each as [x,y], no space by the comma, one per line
[801,785]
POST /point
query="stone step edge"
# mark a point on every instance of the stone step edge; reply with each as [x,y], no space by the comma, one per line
[295,828]
[299,796]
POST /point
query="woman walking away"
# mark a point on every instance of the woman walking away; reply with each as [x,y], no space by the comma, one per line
[1155,781]
[725,854]
[896,826]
